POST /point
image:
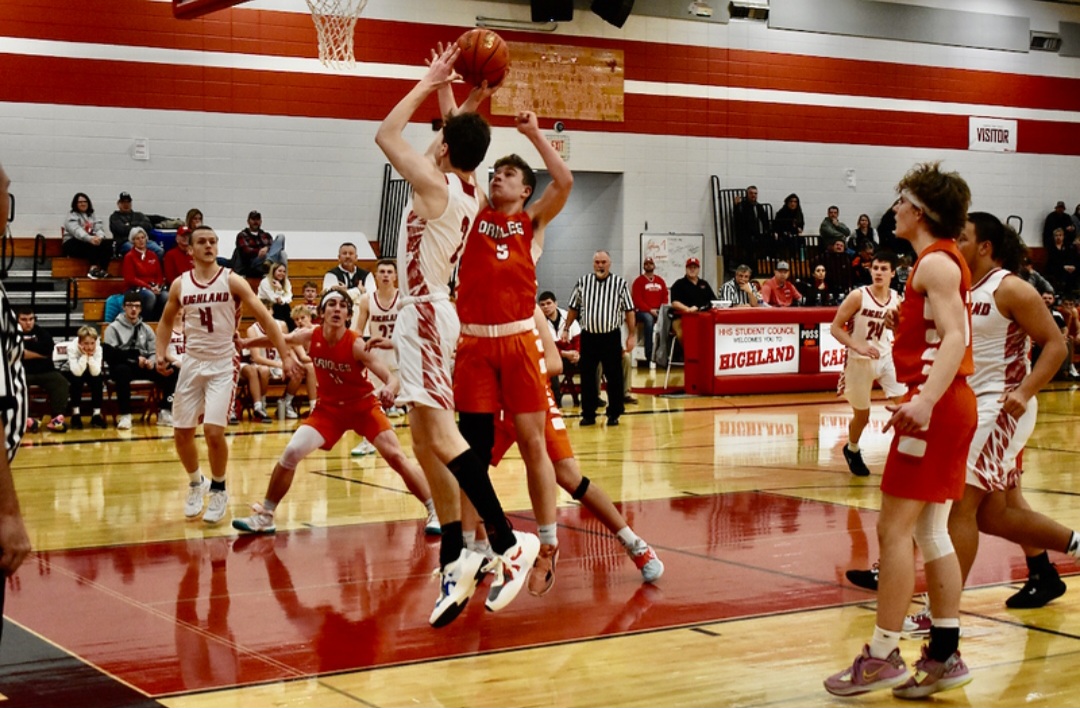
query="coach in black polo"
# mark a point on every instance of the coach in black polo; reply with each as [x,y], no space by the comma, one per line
[601,303]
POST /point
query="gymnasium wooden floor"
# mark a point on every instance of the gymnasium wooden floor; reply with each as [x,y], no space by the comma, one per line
[747,500]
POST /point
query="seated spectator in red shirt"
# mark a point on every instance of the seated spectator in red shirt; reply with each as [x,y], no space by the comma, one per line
[649,293]
[778,291]
[179,260]
[143,273]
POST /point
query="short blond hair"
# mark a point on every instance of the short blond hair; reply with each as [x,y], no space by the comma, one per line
[299,311]
[87,332]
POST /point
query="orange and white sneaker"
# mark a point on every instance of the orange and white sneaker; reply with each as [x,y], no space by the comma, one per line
[511,569]
[646,560]
[542,576]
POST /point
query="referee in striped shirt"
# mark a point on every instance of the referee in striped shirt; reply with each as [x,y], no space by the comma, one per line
[14,409]
[601,302]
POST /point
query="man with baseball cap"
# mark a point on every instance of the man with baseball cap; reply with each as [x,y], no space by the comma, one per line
[1058,219]
[124,219]
[255,248]
[690,293]
[778,291]
[649,293]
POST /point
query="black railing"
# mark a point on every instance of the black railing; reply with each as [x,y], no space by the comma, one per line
[723,214]
[72,300]
[7,243]
[395,195]
[38,260]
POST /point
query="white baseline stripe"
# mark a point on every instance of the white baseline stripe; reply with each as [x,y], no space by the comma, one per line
[294,65]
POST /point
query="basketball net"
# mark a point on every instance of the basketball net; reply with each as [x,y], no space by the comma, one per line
[335,21]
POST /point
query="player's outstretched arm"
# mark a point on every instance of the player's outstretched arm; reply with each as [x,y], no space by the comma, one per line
[428,182]
[554,197]
[240,288]
[847,310]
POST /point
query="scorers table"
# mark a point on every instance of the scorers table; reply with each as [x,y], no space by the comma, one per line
[761,350]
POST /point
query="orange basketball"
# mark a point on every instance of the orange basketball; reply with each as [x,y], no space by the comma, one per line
[484,55]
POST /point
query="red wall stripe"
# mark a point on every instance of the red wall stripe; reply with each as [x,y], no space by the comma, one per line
[167,86]
[57,80]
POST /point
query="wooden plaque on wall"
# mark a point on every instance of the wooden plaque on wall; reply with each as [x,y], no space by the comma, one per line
[557,81]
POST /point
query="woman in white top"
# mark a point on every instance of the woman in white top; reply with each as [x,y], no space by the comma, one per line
[85,237]
[276,291]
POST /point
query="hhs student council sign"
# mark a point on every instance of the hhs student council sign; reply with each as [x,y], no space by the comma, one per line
[991,134]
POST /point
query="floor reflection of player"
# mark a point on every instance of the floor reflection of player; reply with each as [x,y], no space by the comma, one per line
[205,648]
[348,401]
[359,629]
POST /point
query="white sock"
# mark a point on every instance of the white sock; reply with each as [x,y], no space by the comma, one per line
[269,505]
[883,643]
[1074,545]
[97,411]
[195,478]
[547,534]
[430,506]
[75,410]
[627,536]
[854,447]
[469,539]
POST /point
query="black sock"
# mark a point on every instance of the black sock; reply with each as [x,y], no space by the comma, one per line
[1040,565]
[452,543]
[472,475]
[216,486]
[944,641]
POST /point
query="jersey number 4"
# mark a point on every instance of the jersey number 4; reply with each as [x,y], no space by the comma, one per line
[206,318]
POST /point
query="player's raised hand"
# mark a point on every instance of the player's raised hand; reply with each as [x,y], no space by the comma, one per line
[526,123]
[477,95]
[441,66]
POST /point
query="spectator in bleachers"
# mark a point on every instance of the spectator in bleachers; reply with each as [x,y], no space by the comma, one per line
[1058,219]
[1076,219]
[40,371]
[192,219]
[1061,262]
[143,273]
[84,355]
[1034,277]
[815,290]
[129,352]
[570,350]
[739,291]
[649,293]
[268,357]
[311,301]
[838,271]
[788,224]
[778,291]
[255,248]
[84,237]
[751,227]
[903,272]
[179,260]
[860,266]
[276,293]
[863,233]
[124,219]
[349,275]
[832,228]
[1072,331]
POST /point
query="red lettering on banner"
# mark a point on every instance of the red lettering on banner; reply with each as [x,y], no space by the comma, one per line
[756,357]
[833,357]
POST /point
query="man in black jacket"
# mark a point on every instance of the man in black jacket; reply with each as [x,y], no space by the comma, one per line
[38,363]
[125,218]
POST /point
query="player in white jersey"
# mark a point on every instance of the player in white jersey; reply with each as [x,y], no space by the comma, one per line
[860,326]
[444,205]
[376,317]
[211,296]
[1005,312]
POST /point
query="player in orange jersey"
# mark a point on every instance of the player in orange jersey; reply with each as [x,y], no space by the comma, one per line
[347,401]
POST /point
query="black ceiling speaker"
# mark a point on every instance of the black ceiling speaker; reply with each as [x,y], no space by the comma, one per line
[613,11]
[552,10]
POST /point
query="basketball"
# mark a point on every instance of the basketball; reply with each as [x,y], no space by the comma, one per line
[484,56]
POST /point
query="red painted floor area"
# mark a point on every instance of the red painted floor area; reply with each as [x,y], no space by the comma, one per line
[213,613]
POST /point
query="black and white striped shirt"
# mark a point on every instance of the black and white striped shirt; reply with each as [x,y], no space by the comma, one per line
[14,401]
[601,305]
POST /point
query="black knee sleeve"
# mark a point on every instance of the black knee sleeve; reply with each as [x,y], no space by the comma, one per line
[581,489]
